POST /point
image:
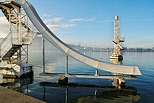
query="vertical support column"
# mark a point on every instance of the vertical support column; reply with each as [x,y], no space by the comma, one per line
[27,89]
[66,99]
[19,55]
[20,33]
[0,53]
[10,24]
[43,47]
[44,93]
[27,54]
[66,72]
[19,25]
[96,72]
[95,92]
[63,79]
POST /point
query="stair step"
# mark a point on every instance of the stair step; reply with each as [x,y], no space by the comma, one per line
[11,52]
[6,58]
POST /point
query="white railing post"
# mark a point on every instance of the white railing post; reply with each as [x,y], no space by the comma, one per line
[19,17]
[66,72]
[0,51]
[96,72]
[10,25]
[43,47]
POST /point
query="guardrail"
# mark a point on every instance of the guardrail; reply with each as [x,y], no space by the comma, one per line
[6,44]
[3,44]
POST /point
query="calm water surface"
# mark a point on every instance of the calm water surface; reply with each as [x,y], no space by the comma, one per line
[40,87]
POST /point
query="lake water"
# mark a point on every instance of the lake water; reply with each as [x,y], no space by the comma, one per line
[40,87]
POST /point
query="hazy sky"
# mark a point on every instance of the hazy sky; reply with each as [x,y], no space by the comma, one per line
[91,22]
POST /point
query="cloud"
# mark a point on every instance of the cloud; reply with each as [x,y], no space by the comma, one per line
[46,15]
[106,20]
[68,41]
[54,27]
[63,32]
[72,20]
[67,25]
[80,19]
[4,27]
[52,20]
[57,27]
[70,32]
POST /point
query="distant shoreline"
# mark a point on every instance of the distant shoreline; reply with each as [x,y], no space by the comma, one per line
[99,49]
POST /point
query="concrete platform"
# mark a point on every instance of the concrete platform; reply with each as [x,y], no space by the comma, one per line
[91,76]
[11,96]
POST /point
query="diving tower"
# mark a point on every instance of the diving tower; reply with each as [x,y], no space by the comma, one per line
[117,51]
[35,20]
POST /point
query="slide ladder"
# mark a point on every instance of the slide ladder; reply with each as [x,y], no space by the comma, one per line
[21,32]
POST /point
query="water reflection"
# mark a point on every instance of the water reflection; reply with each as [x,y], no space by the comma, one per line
[20,85]
[115,96]
[110,93]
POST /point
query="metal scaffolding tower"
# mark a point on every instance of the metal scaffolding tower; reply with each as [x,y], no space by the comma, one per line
[117,51]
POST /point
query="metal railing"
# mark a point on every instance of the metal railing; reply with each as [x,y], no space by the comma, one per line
[7,42]
[25,36]
[12,38]
[3,44]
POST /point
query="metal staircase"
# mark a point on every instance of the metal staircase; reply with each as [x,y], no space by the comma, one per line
[21,32]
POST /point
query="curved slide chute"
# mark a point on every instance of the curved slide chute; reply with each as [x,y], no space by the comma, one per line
[43,29]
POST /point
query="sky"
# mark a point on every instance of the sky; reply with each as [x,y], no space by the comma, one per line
[91,22]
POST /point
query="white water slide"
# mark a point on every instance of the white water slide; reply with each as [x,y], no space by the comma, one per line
[44,30]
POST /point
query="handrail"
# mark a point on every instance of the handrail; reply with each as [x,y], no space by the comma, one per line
[3,47]
[2,42]
[11,38]
[0,52]
[5,38]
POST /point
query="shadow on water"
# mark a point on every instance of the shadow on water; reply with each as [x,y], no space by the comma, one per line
[109,94]
[116,96]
